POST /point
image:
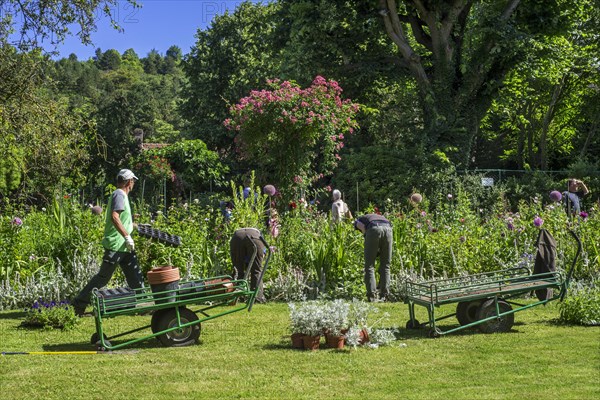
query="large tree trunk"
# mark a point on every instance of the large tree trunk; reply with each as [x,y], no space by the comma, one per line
[452,92]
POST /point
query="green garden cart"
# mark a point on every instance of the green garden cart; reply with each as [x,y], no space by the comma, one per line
[176,313]
[485,300]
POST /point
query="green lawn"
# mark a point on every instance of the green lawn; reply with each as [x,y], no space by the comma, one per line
[248,355]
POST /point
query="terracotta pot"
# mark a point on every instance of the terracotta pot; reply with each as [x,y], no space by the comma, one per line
[164,274]
[297,340]
[311,342]
[364,336]
[164,282]
[335,341]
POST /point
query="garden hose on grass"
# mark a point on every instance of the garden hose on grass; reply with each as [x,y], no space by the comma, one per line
[53,353]
[36,353]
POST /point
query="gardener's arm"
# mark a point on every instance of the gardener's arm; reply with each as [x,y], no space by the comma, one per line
[116,220]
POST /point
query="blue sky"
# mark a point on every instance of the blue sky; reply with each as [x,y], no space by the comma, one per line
[158,24]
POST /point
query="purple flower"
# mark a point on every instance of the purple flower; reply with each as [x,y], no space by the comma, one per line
[423,214]
[17,221]
[269,190]
[510,226]
[555,195]
[537,221]
[583,214]
[96,210]
[416,198]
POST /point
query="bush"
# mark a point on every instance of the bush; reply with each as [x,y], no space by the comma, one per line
[581,306]
[50,315]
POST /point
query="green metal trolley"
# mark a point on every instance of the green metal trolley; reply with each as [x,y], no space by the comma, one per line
[176,314]
[484,300]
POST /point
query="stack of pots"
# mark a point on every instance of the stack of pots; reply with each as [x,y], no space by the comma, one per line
[164,282]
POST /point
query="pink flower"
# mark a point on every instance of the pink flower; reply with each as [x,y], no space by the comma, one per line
[583,214]
[17,221]
[328,188]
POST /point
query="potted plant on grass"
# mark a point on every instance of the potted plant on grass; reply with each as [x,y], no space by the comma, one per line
[335,321]
[307,320]
[358,316]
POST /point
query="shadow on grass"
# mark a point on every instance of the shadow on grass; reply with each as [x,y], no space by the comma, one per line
[87,346]
[12,315]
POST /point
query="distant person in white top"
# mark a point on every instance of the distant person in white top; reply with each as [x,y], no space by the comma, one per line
[339,209]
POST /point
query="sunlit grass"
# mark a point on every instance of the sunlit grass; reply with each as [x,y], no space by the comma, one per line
[248,355]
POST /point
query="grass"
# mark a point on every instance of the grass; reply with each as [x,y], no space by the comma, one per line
[248,355]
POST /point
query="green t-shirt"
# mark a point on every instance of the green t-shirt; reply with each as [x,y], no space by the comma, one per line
[113,240]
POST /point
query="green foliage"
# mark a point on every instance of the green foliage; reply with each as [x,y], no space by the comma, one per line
[236,54]
[49,315]
[294,134]
[582,305]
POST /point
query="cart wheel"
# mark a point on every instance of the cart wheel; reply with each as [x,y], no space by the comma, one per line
[156,317]
[100,347]
[413,324]
[177,337]
[466,311]
[488,309]
[434,333]
[95,338]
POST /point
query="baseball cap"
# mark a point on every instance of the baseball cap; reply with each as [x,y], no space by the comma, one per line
[126,174]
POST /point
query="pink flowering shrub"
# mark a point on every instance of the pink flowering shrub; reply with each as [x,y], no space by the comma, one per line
[294,133]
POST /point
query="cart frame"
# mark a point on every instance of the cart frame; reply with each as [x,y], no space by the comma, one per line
[492,291]
[184,327]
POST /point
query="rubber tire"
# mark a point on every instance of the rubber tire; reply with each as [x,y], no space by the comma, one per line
[154,321]
[434,333]
[178,337]
[95,338]
[488,309]
[99,346]
[410,325]
[466,311]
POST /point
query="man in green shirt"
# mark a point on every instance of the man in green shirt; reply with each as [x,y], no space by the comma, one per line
[118,244]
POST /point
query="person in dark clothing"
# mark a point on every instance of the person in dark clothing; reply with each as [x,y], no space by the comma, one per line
[577,190]
[379,240]
[242,246]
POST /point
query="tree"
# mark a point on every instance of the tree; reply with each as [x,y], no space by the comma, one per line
[459,52]
[235,54]
[153,62]
[293,134]
[52,20]
[111,60]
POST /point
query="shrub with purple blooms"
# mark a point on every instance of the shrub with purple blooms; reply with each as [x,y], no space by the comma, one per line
[49,315]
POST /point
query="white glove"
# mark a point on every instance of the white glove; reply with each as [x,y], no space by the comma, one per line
[129,243]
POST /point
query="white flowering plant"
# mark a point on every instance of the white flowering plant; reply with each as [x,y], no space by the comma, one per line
[335,317]
[307,318]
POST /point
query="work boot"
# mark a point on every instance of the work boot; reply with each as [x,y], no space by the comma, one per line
[79,310]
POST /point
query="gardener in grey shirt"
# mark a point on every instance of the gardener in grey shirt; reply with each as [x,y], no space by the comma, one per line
[118,244]
[379,239]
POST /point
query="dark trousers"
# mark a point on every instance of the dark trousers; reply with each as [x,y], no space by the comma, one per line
[242,246]
[378,240]
[129,265]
